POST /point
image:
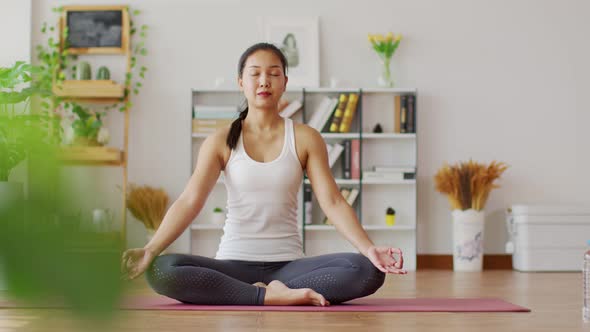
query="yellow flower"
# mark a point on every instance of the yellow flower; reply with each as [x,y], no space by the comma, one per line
[389,37]
[398,37]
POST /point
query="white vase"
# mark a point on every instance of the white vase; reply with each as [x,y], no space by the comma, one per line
[218,218]
[468,231]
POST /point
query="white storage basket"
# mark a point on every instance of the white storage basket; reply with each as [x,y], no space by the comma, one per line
[547,238]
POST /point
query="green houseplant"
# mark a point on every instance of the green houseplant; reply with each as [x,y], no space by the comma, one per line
[37,239]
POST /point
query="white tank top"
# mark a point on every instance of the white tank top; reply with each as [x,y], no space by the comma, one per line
[261,223]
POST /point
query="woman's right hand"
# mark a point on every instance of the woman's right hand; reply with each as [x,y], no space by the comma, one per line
[136,261]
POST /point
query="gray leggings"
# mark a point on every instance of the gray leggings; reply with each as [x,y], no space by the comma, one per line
[200,280]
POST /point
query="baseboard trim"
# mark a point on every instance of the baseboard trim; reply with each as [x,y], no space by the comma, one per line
[445,262]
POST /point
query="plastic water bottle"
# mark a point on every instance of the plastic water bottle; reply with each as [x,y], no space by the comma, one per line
[586,278]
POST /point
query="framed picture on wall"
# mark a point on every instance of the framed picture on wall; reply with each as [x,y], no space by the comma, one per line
[298,39]
[96,29]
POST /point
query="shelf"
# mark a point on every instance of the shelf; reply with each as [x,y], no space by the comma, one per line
[92,155]
[390,90]
[332,90]
[388,135]
[206,227]
[366,227]
[340,135]
[367,181]
[387,181]
[94,89]
[235,90]
[339,181]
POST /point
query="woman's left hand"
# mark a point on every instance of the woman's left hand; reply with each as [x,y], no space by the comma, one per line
[384,259]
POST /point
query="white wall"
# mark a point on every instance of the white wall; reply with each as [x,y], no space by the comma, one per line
[497,80]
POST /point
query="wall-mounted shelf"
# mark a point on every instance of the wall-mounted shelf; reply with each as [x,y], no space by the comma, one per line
[89,89]
[98,155]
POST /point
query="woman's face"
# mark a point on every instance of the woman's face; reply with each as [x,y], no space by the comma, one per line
[263,81]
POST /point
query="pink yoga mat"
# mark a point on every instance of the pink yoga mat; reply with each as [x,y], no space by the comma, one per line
[359,305]
[364,305]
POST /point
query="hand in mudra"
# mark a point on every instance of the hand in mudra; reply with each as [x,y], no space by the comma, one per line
[384,258]
[134,262]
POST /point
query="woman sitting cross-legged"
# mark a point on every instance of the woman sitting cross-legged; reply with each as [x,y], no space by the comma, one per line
[260,259]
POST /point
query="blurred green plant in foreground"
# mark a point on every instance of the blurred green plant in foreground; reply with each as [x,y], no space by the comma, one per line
[47,258]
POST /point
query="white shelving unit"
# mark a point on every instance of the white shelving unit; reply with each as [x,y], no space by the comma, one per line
[387,148]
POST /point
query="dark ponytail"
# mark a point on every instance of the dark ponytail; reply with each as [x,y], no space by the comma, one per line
[236,126]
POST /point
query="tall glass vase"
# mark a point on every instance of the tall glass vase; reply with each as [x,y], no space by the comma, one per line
[385,79]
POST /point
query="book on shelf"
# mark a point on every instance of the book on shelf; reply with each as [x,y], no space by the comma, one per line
[346,159]
[334,152]
[349,113]
[339,113]
[291,109]
[397,104]
[355,159]
[308,205]
[405,114]
[410,125]
[351,162]
[215,112]
[207,126]
[322,114]
[350,195]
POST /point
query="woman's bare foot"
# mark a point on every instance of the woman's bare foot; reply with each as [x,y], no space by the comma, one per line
[278,293]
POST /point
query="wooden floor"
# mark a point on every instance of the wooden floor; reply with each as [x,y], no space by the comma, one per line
[555,300]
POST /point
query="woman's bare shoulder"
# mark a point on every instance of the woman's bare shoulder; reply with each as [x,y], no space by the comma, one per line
[307,135]
[216,142]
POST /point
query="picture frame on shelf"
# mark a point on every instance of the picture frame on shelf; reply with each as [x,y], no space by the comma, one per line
[298,39]
[96,29]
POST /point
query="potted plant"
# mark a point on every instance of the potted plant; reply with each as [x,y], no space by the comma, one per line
[20,133]
[218,216]
[467,186]
[148,205]
[84,127]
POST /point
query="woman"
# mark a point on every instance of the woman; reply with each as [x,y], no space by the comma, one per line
[263,157]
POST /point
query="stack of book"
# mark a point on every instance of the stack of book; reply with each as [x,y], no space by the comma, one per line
[390,173]
[207,119]
[341,110]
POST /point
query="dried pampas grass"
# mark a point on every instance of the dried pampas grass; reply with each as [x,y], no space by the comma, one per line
[147,204]
[468,184]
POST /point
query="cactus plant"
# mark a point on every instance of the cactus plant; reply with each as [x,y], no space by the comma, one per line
[103,73]
[83,71]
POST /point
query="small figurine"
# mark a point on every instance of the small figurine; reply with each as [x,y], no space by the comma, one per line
[378,128]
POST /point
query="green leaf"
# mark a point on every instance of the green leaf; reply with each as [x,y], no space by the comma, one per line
[143,51]
[136,12]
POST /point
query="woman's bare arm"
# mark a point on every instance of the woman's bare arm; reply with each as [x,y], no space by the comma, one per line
[188,205]
[331,201]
